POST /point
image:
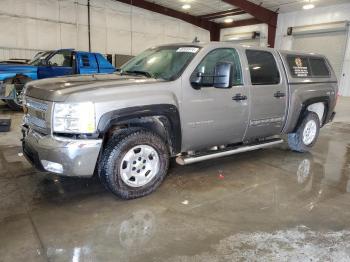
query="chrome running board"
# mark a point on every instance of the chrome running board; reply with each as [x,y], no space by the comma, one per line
[186,160]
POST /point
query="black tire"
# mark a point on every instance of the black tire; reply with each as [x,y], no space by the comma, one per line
[111,160]
[14,105]
[295,140]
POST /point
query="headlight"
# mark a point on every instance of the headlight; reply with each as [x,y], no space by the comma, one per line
[74,118]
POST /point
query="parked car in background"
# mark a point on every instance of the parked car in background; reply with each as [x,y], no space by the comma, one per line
[48,64]
[194,102]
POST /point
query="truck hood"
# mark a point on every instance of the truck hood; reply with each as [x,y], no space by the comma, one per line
[59,88]
[15,68]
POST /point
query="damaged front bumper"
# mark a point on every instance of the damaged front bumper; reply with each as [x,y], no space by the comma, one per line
[63,156]
[7,91]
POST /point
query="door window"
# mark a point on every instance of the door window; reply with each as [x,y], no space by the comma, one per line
[61,59]
[207,66]
[263,68]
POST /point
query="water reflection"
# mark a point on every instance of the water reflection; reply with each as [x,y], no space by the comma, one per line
[323,177]
[137,230]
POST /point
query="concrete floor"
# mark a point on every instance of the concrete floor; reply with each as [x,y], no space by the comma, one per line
[267,205]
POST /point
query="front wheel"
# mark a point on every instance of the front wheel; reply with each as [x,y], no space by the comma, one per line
[306,135]
[134,164]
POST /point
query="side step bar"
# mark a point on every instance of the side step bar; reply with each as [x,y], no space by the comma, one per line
[186,160]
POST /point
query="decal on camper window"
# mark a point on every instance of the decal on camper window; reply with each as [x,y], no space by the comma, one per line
[299,69]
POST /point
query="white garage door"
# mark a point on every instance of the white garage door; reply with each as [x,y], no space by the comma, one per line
[330,44]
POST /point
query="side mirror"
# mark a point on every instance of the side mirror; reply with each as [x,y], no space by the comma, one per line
[196,80]
[223,75]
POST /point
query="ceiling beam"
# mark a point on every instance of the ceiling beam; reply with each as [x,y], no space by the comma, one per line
[223,14]
[263,14]
[260,13]
[251,21]
[212,27]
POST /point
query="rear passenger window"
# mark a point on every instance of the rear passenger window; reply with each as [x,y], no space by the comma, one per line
[263,68]
[85,60]
[319,67]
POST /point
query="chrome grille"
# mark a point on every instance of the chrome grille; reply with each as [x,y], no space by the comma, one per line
[31,120]
[36,115]
[36,105]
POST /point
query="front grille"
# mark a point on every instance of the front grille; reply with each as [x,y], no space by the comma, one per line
[32,120]
[36,116]
[37,105]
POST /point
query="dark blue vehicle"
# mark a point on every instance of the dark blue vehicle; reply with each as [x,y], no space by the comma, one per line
[55,63]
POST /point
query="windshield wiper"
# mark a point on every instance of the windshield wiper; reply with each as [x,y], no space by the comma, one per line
[137,72]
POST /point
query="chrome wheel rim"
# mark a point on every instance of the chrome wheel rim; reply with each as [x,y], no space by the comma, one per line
[139,166]
[309,132]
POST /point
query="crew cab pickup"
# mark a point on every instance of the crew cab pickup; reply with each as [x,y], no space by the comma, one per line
[191,102]
[62,62]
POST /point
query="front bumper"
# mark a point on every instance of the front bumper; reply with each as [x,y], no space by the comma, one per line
[7,91]
[75,157]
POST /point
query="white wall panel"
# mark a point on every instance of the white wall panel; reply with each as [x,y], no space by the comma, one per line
[25,33]
[68,36]
[122,42]
[48,34]
[68,12]
[34,25]
[82,39]
[99,38]
[8,31]
[47,9]
[24,8]
[117,20]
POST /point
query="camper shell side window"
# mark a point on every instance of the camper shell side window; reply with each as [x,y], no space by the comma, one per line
[308,66]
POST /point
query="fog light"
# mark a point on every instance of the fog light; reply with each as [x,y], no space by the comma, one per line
[52,166]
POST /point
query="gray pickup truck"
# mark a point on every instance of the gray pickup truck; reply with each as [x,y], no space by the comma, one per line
[192,102]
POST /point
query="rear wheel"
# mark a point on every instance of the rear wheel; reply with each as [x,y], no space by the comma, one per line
[306,135]
[134,163]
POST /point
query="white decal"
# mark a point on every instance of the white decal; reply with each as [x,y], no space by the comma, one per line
[187,50]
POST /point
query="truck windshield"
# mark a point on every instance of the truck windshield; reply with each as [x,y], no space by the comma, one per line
[166,62]
[37,60]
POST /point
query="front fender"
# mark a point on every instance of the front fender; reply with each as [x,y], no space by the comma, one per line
[169,111]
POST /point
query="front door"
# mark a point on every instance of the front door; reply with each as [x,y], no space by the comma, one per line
[59,64]
[269,94]
[211,116]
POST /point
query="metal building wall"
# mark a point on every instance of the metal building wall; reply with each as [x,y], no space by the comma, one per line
[33,25]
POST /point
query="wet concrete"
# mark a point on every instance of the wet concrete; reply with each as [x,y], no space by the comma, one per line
[267,205]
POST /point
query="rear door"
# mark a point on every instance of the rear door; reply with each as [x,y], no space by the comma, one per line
[269,93]
[59,64]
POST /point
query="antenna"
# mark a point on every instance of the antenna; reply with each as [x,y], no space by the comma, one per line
[195,40]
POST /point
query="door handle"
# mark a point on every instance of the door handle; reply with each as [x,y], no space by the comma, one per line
[279,94]
[239,97]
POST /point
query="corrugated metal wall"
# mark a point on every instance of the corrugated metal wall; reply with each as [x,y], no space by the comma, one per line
[33,25]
